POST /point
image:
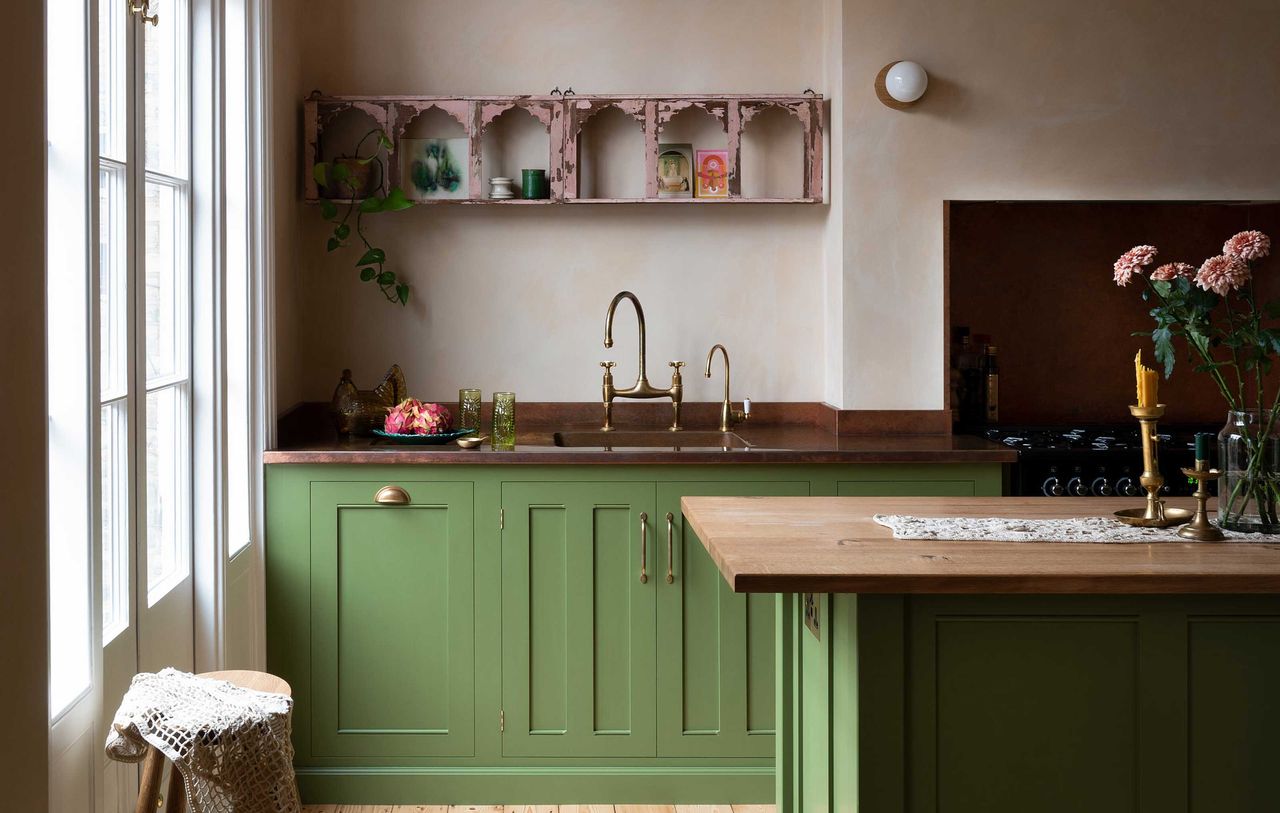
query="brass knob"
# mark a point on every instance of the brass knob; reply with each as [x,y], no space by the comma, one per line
[676,365]
[608,366]
[391,495]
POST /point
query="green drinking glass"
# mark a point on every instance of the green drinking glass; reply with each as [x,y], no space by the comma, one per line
[504,421]
[469,409]
[533,184]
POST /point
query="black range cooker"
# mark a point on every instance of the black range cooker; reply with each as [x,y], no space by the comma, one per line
[1094,461]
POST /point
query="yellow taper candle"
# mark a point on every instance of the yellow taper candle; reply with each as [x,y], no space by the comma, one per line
[1148,383]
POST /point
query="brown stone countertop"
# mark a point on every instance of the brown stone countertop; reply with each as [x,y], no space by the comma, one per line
[770,443]
[832,545]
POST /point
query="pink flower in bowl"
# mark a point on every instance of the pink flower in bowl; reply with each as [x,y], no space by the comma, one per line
[413,417]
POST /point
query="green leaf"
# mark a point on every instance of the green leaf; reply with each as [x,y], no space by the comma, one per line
[334,244]
[367,274]
[328,210]
[341,172]
[365,161]
[396,200]
[374,256]
[371,204]
[384,141]
[342,232]
[386,278]
[1164,351]
[321,173]
[402,291]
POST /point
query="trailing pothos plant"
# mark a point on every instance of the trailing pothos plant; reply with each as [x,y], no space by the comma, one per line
[1234,339]
[364,193]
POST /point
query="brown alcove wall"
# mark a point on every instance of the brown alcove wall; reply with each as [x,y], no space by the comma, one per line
[1037,277]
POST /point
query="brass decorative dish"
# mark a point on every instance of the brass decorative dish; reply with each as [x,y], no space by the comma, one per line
[1138,517]
[472,441]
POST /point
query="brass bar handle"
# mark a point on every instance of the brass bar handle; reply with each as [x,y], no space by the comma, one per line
[670,533]
[391,495]
[644,547]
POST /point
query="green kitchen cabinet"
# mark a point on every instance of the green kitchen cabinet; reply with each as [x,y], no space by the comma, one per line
[715,647]
[491,639]
[391,614]
[578,619]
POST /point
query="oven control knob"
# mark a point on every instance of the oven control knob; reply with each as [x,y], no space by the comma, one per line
[1076,487]
[1126,486]
[1052,486]
[1101,488]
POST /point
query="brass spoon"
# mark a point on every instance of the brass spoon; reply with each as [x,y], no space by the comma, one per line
[471,441]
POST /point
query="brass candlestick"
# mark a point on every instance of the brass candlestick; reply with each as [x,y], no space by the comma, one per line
[1200,528]
[1155,514]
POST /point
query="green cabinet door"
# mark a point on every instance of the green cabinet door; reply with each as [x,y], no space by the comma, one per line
[392,663]
[577,621]
[715,647]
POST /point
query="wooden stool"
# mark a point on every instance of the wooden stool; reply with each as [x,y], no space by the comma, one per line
[153,766]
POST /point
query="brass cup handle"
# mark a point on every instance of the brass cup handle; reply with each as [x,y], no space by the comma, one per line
[670,533]
[644,547]
[391,495]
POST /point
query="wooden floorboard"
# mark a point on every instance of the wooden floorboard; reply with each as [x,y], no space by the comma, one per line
[538,809]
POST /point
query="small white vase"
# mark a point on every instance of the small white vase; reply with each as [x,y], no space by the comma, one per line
[500,189]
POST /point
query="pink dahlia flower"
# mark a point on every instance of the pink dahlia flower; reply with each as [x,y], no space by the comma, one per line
[1222,274]
[412,417]
[1171,271]
[1247,246]
[1132,262]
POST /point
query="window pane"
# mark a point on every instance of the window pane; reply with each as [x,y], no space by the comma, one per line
[165,89]
[239,462]
[166,280]
[115,519]
[112,18]
[113,300]
[168,490]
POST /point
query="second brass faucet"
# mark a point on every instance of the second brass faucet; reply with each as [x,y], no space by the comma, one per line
[642,388]
[728,415]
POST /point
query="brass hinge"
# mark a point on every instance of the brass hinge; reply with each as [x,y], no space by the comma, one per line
[502,519]
[502,721]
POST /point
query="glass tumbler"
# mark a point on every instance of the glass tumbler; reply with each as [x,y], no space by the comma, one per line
[469,409]
[504,421]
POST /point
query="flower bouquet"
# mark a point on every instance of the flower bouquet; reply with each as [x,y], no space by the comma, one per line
[1233,339]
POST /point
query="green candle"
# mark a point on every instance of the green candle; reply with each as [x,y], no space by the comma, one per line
[1202,445]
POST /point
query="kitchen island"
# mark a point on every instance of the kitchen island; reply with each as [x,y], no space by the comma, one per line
[1008,676]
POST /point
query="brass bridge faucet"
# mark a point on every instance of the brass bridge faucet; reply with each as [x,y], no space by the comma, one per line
[728,415]
[642,388]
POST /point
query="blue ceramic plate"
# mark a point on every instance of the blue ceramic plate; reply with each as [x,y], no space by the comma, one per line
[424,440]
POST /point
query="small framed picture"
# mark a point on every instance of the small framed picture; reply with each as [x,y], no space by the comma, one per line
[435,168]
[675,170]
[712,179]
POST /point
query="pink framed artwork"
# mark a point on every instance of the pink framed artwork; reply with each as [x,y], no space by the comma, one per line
[712,179]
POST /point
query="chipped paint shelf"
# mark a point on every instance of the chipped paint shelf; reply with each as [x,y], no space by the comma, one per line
[710,201]
[487,123]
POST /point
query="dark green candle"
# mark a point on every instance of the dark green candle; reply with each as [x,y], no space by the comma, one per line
[1202,445]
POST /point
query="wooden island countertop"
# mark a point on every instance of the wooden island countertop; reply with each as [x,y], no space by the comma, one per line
[832,545]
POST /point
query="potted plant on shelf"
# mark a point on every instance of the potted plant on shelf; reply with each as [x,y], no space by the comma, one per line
[1233,339]
[359,182]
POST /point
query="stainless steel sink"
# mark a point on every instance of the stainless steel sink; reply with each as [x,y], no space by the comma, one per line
[622,439]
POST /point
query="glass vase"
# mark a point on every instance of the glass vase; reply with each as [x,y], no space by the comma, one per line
[1249,457]
[469,409]
[504,421]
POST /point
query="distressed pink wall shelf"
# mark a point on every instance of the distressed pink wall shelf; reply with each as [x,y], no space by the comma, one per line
[564,117]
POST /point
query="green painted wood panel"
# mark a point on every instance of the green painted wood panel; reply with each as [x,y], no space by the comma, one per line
[906,488]
[1017,714]
[715,648]
[392,620]
[578,625]
[1234,714]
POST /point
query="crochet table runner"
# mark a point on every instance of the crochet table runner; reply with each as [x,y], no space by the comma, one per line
[231,744]
[1101,530]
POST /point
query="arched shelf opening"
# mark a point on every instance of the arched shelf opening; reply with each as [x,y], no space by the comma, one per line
[611,163]
[773,154]
[515,140]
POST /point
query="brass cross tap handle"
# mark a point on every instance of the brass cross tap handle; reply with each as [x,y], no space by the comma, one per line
[143,11]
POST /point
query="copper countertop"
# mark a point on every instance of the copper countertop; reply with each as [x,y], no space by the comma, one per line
[776,443]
